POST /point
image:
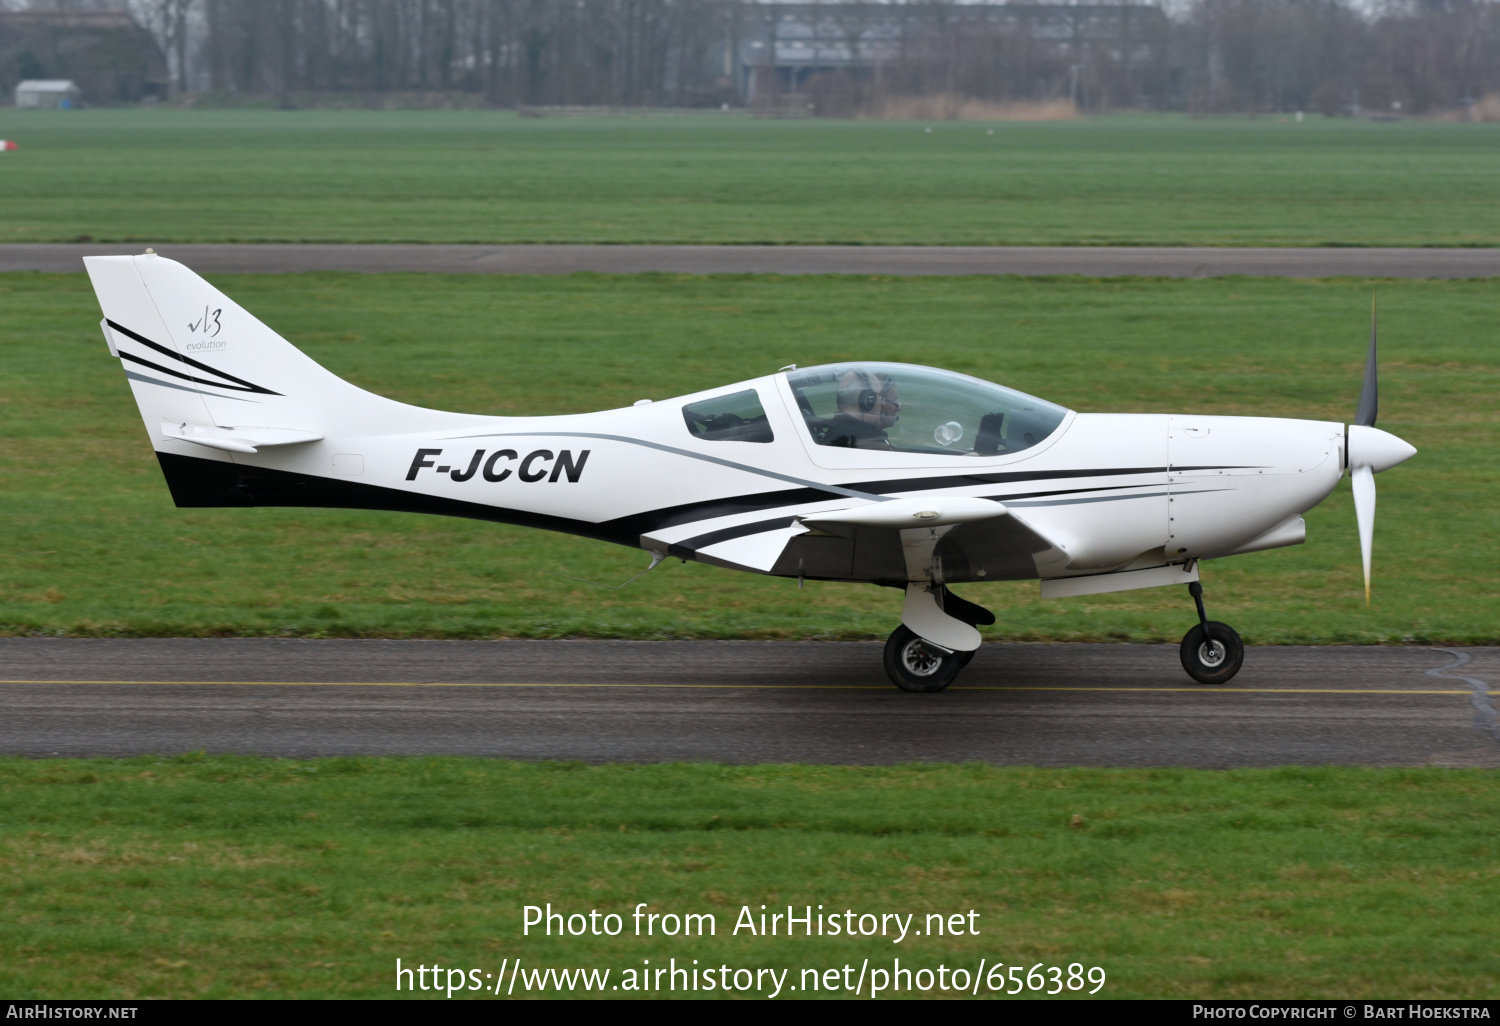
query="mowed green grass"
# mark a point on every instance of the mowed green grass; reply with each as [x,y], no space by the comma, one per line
[92,544]
[235,876]
[473,176]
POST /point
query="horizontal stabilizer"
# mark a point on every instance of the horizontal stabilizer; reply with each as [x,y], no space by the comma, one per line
[236,439]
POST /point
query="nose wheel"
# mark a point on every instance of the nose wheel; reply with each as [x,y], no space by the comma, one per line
[1211,652]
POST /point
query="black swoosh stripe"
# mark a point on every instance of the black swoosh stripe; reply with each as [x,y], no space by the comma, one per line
[198,482]
[1012,496]
[712,509]
[689,546]
[918,484]
[241,384]
[820,487]
[859,490]
[187,377]
[1105,498]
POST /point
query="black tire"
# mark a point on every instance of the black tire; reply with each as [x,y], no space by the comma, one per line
[1219,665]
[915,665]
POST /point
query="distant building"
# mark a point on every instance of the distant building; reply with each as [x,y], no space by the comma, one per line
[47,93]
[785,44]
[106,55]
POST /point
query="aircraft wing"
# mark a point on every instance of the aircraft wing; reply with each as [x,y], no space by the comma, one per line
[895,540]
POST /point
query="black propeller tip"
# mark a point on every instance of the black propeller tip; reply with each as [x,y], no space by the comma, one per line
[1369,394]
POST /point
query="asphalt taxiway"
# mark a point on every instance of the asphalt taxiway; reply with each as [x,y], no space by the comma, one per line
[1090,261]
[744,701]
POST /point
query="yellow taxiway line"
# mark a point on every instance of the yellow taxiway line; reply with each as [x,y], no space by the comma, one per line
[1202,689]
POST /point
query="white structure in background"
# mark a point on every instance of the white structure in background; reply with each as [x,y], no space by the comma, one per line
[48,93]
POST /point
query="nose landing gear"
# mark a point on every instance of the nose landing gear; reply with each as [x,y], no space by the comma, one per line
[1211,652]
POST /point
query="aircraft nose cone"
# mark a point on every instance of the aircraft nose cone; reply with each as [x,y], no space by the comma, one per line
[1379,450]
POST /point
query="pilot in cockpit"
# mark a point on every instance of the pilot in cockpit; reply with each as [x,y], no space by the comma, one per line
[867,407]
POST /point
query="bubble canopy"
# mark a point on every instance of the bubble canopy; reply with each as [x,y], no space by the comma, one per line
[900,407]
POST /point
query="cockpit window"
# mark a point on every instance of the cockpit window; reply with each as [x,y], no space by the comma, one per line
[897,407]
[737,417]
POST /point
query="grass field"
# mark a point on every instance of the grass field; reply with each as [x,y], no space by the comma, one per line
[93,546]
[231,876]
[467,176]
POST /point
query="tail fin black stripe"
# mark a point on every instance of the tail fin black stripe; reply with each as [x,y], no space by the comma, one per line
[247,386]
[184,377]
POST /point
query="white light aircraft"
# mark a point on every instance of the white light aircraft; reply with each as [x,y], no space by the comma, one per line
[887,473]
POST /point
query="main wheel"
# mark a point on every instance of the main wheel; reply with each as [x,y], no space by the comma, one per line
[1215,663]
[916,665]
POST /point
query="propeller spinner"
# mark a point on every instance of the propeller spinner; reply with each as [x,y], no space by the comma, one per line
[1370,451]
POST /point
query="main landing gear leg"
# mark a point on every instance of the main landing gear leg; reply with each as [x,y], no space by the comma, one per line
[970,613]
[1211,652]
[918,664]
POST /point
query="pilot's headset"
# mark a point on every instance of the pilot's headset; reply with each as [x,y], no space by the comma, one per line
[869,396]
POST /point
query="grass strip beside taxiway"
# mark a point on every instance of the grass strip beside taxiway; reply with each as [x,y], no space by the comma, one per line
[159,175]
[237,876]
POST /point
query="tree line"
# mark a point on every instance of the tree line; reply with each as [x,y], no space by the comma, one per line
[619,53]
[1332,56]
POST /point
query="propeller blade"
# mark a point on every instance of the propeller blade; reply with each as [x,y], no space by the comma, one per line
[1369,394]
[1363,479]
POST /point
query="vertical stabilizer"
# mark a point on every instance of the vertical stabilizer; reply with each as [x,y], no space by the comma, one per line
[196,359]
